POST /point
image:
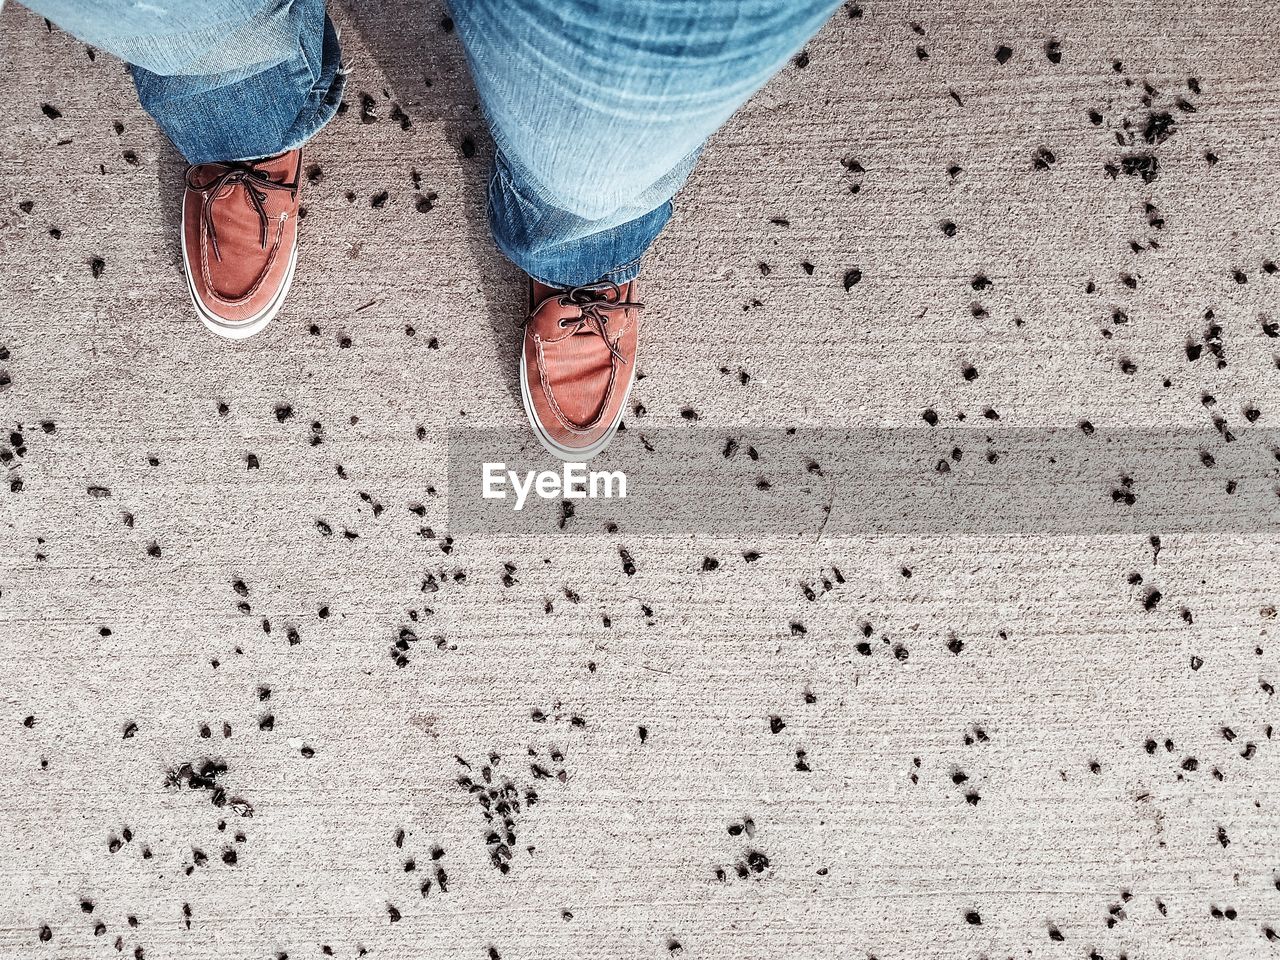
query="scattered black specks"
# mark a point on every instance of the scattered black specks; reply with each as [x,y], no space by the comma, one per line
[1053,51]
[1003,54]
[198,775]
[1159,127]
[1142,165]
[50,111]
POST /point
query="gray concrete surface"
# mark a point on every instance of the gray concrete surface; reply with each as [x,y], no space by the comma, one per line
[1051,747]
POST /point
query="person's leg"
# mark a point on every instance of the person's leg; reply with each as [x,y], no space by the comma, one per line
[238,86]
[223,79]
[599,109]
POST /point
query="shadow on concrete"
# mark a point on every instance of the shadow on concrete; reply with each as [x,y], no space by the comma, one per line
[171,170]
[417,51]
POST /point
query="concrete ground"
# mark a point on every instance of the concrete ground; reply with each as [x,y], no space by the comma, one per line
[843,746]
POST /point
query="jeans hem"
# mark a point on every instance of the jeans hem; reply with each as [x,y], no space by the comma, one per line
[327,110]
[619,274]
[325,85]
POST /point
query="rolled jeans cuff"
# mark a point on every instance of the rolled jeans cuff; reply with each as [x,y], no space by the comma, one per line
[562,249]
[257,115]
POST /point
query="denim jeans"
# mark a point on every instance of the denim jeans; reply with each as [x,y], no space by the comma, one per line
[598,108]
[224,79]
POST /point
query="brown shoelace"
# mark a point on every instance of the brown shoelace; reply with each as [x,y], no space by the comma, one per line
[244,173]
[597,302]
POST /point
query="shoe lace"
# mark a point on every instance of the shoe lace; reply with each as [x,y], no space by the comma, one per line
[597,302]
[242,173]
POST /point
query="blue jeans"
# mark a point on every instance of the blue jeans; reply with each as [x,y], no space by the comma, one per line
[598,108]
[224,79]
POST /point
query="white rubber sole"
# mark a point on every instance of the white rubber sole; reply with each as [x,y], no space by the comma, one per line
[568,454]
[239,329]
